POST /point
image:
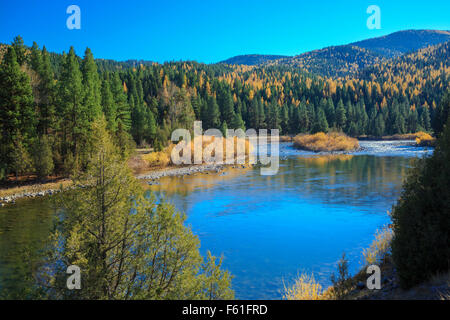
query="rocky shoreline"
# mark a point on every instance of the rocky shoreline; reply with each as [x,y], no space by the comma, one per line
[151,176]
[183,171]
[12,198]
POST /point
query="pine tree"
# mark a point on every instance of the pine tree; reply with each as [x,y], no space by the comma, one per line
[330,113]
[363,120]
[379,125]
[261,116]
[20,50]
[284,120]
[91,86]
[127,245]
[413,121]
[35,58]
[238,123]
[426,119]
[21,160]
[75,125]
[108,106]
[320,124]
[253,114]
[441,114]
[43,159]
[138,121]
[46,93]
[123,110]
[224,128]
[341,118]
[303,120]
[213,114]
[151,131]
[273,117]
[226,106]
[17,116]
[196,105]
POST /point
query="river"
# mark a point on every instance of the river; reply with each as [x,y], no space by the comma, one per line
[269,229]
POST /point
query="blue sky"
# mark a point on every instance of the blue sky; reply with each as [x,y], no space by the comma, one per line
[209,30]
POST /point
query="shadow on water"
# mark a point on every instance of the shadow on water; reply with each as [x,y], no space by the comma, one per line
[24,228]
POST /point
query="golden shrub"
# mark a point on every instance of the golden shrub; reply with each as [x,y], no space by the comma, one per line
[320,141]
[158,159]
[163,159]
[235,141]
[304,288]
[379,247]
[424,139]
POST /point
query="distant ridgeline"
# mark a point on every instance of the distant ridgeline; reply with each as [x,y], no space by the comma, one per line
[373,87]
[344,60]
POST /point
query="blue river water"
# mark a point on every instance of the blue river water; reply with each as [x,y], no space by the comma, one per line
[269,229]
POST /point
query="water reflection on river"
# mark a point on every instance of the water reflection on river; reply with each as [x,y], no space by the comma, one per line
[269,228]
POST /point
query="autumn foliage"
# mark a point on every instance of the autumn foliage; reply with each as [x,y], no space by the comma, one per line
[162,159]
[320,141]
[424,139]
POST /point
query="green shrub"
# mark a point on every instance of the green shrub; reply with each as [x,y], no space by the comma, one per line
[421,218]
[342,282]
[43,160]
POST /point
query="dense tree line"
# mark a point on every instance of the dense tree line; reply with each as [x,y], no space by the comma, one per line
[49,101]
[421,219]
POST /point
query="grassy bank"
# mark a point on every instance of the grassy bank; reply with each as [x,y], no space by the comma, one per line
[148,160]
[319,142]
[32,189]
[406,136]
[346,287]
[143,161]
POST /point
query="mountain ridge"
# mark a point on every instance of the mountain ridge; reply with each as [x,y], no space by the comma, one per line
[349,59]
[251,59]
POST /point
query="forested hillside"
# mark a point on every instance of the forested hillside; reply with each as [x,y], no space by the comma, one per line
[252,59]
[337,61]
[48,101]
[349,60]
[401,42]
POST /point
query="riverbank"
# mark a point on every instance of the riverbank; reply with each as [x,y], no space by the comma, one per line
[183,171]
[436,288]
[13,191]
[397,137]
[10,195]
[355,287]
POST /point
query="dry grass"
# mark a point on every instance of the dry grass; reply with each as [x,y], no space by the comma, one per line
[285,139]
[235,141]
[333,141]
[35,188]
[398,136]
[162,159]
[379,247]
[424,139]
[304,288]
